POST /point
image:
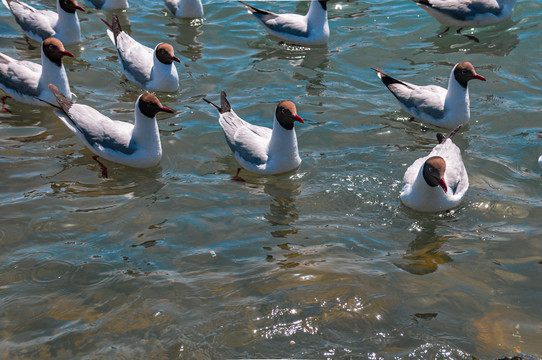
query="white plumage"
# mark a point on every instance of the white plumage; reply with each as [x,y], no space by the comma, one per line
[42,24]
[136,145]
[25,81]
[468,13]
[433,104]
[151,69]
[259,149]
[419,195]
[311,29]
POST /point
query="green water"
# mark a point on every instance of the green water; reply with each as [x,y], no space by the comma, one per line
[179,262]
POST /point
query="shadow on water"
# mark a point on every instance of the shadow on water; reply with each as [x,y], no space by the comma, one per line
[282,209]
[186,34]
[308,64]
[496,40]
[423,255]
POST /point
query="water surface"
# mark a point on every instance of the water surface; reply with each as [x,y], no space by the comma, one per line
[177,261]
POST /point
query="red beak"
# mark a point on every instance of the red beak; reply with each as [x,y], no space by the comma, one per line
[168,110]
[80,8]
[174,58]
[299,118]
[442,184]
[479,77]
[67,53]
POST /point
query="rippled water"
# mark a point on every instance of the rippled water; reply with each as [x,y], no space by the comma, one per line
[177,261]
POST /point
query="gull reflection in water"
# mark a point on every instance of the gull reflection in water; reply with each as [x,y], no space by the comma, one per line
[497,40]
[282,209]
[423,255]
[186,34]
[308,65]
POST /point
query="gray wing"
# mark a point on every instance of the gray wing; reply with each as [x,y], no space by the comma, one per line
[21,76]
[31,20]
[99,131]
[247,140]
[464,9]
[107,142]
[285,23]
[172,6]
[98,138]
[248,145]
[136,58]
[425,99]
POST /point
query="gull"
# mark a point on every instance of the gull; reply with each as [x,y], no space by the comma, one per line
[259,149]
[42,24]
[467,13]
[148,68]
[136,145]
[433,104]
[438,181]
[26,81]
[311,29]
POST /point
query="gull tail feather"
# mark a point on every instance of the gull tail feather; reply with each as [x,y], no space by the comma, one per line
[224,103]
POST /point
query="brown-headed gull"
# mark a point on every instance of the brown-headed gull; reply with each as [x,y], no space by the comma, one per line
[311,29]
[109,4]
[438,181]
[467,13]
[136,145]
[433,104]
[25,81]
[185,8]
[259,149]
[42,24]
[148,68]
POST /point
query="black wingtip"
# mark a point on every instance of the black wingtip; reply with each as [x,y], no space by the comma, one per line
[107,24]
[114,26]
[454,131]
[386,79]
[254,10]
[47,102]
[224,103]
[213,104]
[441,139]
[63,102]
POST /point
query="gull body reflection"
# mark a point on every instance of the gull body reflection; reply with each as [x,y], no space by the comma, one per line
[423,255]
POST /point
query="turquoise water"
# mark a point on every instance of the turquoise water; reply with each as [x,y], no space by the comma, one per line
[177,261]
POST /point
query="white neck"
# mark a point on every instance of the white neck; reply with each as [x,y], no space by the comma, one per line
[163,76]
[51,73]
[145,132]
[68,24]
[283,142]
[316,16]
[457,97]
